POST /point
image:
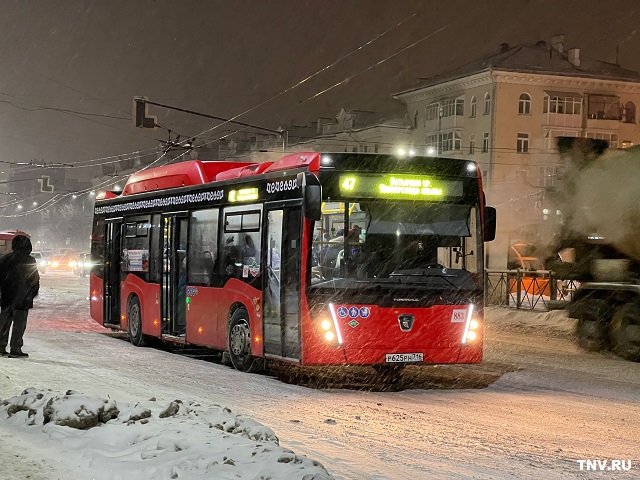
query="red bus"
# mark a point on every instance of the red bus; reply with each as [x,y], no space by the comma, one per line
[314,259]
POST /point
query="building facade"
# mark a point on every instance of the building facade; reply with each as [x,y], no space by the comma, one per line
[506,111]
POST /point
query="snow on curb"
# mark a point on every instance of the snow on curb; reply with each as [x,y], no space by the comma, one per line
[180,440]
[553,323]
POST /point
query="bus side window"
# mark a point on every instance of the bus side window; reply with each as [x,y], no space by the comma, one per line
[203,247]
[241,239]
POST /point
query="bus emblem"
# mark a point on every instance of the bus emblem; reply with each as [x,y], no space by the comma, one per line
[365,312]
[406,322]
[342,312]
[353,312]
[353,323]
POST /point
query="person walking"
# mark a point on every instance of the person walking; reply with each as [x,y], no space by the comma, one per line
[19,284]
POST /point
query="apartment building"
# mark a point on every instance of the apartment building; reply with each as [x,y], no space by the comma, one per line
[506,111]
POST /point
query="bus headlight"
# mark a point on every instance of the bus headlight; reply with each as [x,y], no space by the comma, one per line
[329,329]
[471,327]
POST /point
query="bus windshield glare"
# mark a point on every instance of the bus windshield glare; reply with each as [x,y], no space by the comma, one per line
[386,239]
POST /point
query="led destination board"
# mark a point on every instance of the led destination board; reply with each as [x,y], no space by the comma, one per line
[398,186]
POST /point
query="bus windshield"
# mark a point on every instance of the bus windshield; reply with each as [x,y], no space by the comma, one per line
[392,239]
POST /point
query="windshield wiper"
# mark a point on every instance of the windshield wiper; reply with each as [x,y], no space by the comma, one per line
[426,271]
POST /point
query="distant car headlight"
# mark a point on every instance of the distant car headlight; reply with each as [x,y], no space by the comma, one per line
[72,263]
[54,264]
[43,263]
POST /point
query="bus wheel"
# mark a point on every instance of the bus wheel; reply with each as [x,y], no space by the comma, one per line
[389,373]
[625,332]
[134,323]
[239,343]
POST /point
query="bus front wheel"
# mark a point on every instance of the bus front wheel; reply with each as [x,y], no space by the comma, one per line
[134,323]
[239,343]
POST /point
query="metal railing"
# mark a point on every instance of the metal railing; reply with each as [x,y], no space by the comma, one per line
[528,289]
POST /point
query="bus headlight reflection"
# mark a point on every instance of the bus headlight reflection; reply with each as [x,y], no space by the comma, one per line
[329,329]
[471,327]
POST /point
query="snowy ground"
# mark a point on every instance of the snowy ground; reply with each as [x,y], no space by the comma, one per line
[118,440]
[557,406]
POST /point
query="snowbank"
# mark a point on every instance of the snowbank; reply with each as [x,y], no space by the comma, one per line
[552,323]
[149,441]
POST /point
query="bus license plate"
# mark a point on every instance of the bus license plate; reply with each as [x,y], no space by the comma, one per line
[404,357]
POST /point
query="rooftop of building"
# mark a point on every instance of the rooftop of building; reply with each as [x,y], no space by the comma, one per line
[549,58]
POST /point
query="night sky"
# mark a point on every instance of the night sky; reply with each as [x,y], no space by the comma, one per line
[63,60]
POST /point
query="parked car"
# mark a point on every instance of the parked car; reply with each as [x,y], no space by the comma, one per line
[82,264]
[40,261]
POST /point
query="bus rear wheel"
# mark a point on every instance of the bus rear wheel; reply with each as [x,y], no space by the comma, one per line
[239,343]
[625,332]
[134,323]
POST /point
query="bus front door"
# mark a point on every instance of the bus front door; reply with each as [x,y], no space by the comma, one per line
[281,284]
[173,285]
[111,288]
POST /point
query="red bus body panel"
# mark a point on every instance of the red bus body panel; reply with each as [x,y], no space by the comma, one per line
[206,318]
[96,298]
[437,333]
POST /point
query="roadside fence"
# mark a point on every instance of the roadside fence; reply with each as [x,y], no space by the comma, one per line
[528,289]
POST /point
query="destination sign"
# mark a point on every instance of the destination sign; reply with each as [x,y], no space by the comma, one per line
[243,195]
[399,186]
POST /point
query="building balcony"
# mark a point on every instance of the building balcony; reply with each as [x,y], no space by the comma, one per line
[603,124]
[562,120]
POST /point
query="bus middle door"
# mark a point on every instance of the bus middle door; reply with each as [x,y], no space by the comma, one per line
[173,285]
[281,283]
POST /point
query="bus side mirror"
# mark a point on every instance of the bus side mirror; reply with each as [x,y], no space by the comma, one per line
[311,195]
[489,224]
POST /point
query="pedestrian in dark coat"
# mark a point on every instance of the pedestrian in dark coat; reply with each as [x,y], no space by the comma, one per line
[19,284]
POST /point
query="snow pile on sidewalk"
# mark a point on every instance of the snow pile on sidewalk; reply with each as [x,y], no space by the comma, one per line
[175,441]
[551,323]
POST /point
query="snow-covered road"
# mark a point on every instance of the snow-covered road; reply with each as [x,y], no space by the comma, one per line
[547,404]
